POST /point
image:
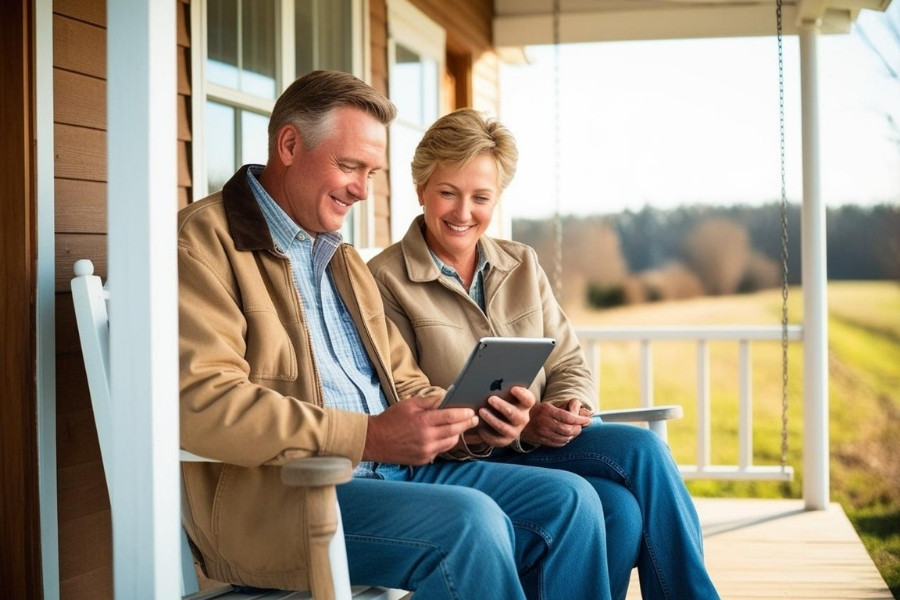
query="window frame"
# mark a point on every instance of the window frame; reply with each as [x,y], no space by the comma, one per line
[360,225]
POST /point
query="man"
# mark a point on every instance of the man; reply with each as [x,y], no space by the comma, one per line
[285,352]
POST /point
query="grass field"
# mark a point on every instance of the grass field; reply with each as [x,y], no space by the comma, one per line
[864,398]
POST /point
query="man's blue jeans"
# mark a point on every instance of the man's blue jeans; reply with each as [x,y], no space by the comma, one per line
[651,521]
[476,530]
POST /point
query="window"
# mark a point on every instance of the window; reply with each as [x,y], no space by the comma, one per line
[249,51]
[416,63]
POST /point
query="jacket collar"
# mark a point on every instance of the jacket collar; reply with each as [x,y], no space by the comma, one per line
[420,267]
[245,219]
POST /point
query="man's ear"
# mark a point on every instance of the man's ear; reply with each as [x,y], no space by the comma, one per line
[287,143]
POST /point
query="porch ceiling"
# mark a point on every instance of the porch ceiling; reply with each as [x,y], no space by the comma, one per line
[527,22]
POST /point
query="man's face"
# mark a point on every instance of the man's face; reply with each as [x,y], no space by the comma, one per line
[320,186]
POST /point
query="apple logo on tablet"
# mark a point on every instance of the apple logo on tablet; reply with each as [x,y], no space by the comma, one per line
[496,384]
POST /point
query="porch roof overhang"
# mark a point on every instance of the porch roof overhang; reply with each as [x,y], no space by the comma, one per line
[520,23]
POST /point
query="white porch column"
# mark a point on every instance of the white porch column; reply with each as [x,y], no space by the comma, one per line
[815,291]
[143,298]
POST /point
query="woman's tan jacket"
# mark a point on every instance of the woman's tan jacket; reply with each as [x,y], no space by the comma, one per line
[441,323]
[251,396]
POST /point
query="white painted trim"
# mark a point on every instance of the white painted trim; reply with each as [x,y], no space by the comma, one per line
[146,511]
[362,54]
[46,298]
[364,212]
[240,99]
[199,174]
[813,254]
[287,65]
[413,27]
[514,27]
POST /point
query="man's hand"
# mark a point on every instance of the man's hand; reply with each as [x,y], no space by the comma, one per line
[504,420]
[555,427]
[415,431]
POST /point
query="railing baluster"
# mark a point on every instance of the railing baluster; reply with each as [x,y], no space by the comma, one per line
[745,409]
[594,362]
[646,373]
[703,426]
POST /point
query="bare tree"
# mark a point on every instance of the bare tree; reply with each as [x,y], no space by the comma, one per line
[718,251]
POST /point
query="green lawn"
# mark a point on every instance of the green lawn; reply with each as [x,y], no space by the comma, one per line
[864,399]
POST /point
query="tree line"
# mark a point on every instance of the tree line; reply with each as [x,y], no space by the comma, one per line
[659,254]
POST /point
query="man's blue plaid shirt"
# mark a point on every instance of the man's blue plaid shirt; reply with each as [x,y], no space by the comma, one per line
[348,377]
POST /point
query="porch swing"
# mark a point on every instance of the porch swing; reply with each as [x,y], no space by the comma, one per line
[786,473]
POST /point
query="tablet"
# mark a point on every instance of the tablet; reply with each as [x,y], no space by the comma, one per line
[495,365]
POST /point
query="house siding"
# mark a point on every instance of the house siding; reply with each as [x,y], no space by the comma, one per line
[79,130]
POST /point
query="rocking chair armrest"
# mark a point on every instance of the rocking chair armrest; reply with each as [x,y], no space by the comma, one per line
[317,471]
[642,415]
[313,471]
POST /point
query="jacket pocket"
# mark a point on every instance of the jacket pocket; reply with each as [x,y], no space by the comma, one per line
[257,521]
[270,351]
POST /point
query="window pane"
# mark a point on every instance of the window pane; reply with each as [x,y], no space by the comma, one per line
[242,45]
[323,35]
[221,51]
[254,138]
[258,75]
[414,86]
[219,145]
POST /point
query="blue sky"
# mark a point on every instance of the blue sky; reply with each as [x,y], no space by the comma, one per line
[696,121]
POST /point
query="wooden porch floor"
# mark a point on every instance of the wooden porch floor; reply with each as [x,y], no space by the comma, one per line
[767,549]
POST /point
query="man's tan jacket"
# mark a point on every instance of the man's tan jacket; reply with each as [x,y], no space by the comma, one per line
[251,396]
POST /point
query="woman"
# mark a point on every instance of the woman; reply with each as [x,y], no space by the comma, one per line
[446,284]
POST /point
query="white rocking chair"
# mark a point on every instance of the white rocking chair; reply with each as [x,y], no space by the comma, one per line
[90,300]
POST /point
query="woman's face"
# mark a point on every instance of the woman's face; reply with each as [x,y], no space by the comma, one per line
[459,204]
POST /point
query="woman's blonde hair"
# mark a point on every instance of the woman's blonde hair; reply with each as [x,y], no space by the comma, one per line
[459,137]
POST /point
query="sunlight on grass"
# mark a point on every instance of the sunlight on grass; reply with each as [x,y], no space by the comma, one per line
[864,397]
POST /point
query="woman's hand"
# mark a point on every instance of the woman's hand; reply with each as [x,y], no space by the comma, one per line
[555,427]
[502,422]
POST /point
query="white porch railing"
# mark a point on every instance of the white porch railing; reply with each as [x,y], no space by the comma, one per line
[592,338]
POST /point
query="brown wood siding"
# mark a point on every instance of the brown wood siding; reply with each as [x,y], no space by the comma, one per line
[20,536]
[468,23]
[80,152]
[183,85]
[80,149]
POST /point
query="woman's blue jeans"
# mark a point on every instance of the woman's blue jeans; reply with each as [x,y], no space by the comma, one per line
[651,521]
[476,530]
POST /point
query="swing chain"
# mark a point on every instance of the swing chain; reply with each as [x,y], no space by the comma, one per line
[784,250]
[557,109]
